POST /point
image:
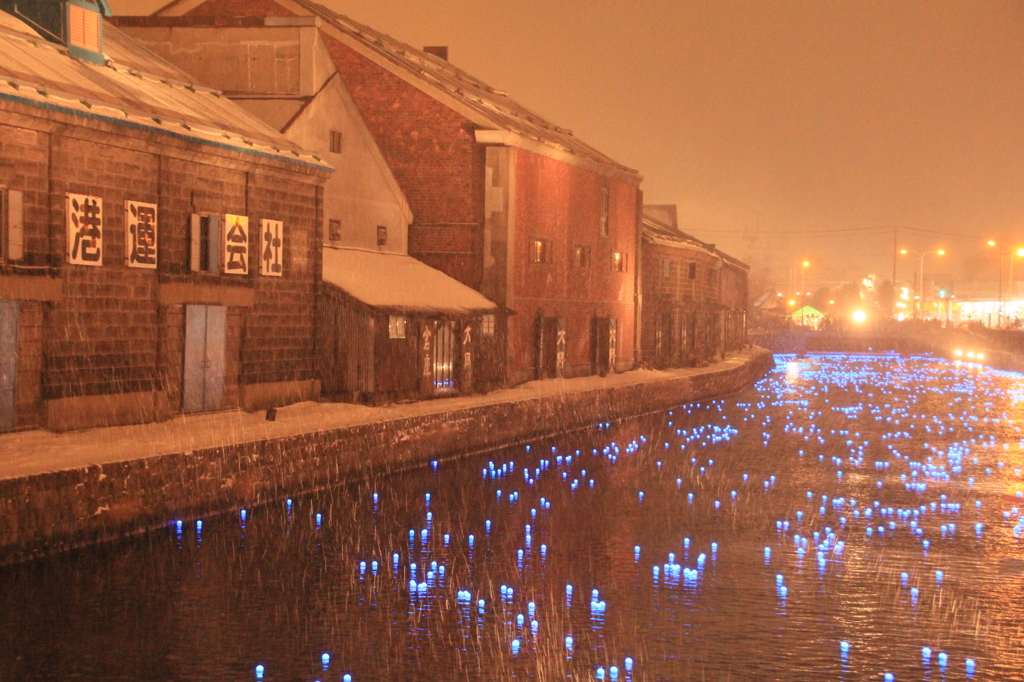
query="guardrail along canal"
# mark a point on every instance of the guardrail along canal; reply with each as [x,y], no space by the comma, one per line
[847,518]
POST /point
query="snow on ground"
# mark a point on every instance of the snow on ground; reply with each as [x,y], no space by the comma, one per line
[25,453]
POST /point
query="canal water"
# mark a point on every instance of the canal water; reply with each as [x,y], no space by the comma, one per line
[848,518]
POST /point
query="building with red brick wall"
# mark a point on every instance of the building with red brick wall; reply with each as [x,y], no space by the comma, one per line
[695,296]
[502,200]
[161,249]
[390,326]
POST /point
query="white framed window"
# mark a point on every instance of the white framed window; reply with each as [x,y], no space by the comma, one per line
[539,250]
[581,256]
[396,326]
[487,325]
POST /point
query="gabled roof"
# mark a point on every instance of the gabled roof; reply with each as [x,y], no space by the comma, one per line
[807,311]
[658,232]
[134,88]
[399,283]
[492,109]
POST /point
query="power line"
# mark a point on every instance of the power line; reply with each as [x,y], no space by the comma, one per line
[847,230]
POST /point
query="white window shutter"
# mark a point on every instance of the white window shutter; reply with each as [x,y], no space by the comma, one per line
[194,243]
[216,248]
[15,225]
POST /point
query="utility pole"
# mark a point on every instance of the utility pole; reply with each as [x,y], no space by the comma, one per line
[895,250]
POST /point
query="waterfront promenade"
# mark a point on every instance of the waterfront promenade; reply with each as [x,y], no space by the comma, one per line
[63,490]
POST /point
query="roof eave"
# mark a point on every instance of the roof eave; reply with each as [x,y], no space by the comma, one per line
[508,138]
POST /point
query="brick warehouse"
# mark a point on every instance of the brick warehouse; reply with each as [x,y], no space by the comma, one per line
[695,296]
[161,247]
[390,326]
[504,201]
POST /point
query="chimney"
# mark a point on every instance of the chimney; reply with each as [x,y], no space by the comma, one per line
[437,50]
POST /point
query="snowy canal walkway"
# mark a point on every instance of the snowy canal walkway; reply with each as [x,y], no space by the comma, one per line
[69,489]
[27,453]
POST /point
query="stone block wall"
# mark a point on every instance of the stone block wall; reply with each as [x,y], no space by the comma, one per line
[94,342]
[52,512]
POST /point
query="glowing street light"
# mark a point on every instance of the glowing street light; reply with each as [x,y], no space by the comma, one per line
[859,316]
[920,274]
[1003,251]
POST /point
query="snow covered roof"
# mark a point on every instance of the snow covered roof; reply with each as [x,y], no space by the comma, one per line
[658,232]
[400,283]
[490,108]
[134,88]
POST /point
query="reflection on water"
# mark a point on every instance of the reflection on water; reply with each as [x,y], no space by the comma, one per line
[851,517]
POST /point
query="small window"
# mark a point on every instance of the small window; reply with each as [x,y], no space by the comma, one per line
[85,30]
[205,249]
[619,260]
[693,271]
[487,325]
[581,256]
[666,268]
[604,212]
[334,230]
[382,235]
[12,232]
[336,141]
[396,326]
[539,251]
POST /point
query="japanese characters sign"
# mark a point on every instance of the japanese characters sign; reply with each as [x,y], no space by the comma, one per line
[85,229]
[140,234]
[271,247]
[236,245]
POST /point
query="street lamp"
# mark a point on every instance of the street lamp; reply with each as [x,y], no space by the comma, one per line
[920,274]
[1004,251]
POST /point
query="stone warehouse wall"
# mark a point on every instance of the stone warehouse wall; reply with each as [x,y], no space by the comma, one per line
[52,512]
[105,345]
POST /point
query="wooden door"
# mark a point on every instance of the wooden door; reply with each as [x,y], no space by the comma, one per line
[216,337]
[8,363]
[205,335]
[444,358]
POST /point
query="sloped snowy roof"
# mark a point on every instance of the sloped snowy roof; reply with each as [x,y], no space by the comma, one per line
[492,108]
[400,283]
[40,73]
[658,232]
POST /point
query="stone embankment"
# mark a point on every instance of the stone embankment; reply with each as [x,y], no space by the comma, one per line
[59,491]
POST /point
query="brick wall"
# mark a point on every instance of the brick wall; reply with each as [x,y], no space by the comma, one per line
[432,152]
[683,319]
[102,337]
[106,331]
[279,330]
[561,204]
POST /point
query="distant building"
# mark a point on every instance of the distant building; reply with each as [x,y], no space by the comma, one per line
[502,200]
[390,326]
[160,245]
[695,296]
